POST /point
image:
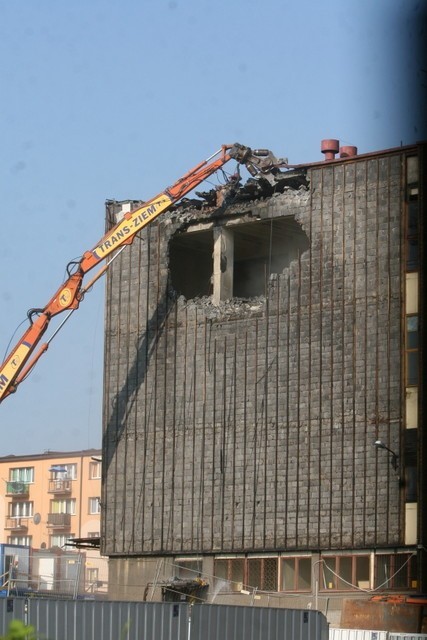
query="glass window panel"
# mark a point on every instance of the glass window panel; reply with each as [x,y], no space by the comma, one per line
[304,574]
[21,509]
[237,568]
[362,569]
[20,540]
[221,567]
[412,367]
[22,474]
[270,574]
[95,470]
[412,331]
[188,569]
[401,571]
[254,572]
[288,574]
[63,506]
[329,569]
[411,254]
[345,573]
[94,505]
[412,217]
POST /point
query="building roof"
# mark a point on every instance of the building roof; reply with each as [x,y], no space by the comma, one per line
[46,455]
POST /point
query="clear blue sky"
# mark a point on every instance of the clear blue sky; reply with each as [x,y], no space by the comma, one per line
[106,99]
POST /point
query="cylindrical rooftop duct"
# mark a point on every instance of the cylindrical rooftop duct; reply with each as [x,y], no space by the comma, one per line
[348,152]
[330,148]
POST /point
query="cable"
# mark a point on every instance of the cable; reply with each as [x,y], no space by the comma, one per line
[10,341]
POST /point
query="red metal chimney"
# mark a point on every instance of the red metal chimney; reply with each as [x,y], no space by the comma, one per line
[348,152]
[330,148]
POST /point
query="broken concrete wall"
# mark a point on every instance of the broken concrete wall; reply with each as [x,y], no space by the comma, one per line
[249,425]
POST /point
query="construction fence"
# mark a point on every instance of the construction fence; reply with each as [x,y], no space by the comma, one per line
[103,620]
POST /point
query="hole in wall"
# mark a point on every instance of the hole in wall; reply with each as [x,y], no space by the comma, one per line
[260,248]
[191,263]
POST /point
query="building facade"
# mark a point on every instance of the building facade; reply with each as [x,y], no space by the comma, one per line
[263,405]
[50,498]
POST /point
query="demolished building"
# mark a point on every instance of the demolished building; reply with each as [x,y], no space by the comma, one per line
[262,410]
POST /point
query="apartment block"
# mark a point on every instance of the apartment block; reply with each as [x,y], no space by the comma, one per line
[50,498]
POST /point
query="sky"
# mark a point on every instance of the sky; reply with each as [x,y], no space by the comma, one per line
[117,99]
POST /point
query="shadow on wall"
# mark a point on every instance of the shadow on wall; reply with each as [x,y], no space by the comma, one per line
[125,398]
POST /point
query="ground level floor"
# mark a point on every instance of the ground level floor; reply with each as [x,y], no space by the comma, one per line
[322,581]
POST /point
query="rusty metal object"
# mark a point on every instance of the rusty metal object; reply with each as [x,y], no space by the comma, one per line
[329,148]
[390,615]
[348,151]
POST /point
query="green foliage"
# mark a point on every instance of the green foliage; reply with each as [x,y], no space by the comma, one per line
[125,630]
[19,631]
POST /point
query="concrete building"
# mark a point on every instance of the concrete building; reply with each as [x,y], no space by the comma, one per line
[50,498]
[263,412]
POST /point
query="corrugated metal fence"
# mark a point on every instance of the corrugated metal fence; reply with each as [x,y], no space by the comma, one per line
[101,620]
[364,634]
[226,622]
[357,634]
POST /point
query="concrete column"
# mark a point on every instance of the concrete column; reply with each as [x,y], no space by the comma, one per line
[223,264]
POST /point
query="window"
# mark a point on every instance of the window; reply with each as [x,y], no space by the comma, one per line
[21,509]
[345,572]
[412,214]
[92,575]
[412,350]
[188,569]
[93,534]
[412,237]
[63,506]
[296,574]
[410,464]
[60,540]
[25,541]
[94,505]
[231,569]
[395,571]
[64,471]
[95,470]
[22,474]
[260,573]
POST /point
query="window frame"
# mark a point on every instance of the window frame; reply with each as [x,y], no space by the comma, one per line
[92,510]
[296,586]
[95,467]
[411,350]
[19,473]
[392,583]
[20,541]
[67,502]
[63,536]
[17,506]
[237,570]
[339,583]
[69,467]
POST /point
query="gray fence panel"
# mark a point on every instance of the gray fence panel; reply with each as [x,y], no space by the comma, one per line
[102,620]
[224,622]
[407,636]
[10,609]
[98,620]
[357,634]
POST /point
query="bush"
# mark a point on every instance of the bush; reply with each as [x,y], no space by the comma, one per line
[19,631]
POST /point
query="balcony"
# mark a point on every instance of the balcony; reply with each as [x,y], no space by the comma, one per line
[16,523]
[59,520]
[17,489]
[59,486]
